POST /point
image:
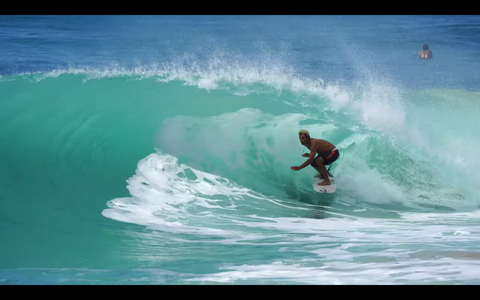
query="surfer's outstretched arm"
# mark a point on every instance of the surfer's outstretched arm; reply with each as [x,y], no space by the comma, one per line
[310,158]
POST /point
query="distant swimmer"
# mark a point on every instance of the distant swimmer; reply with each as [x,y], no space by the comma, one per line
[425,53]
[327,154]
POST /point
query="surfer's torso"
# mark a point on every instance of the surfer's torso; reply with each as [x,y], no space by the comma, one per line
[320,146]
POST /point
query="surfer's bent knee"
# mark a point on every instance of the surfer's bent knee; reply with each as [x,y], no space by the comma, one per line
[314,162]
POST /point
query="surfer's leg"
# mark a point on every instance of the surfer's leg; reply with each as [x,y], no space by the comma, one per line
[314,165]
[323,170]
[326,159]
[319,175]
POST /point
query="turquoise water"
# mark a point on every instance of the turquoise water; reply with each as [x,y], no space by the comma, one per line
[157,150]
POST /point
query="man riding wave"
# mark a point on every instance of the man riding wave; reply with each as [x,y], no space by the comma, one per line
[327,154]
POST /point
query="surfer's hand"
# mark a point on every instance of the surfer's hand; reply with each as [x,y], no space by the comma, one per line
[295,168]
[305,155]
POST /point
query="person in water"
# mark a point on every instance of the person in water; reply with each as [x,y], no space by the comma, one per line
[327,154]
[425,53]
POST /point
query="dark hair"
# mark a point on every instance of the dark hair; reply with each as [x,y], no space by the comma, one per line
[425,47]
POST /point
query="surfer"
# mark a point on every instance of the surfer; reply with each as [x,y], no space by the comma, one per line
[327,154]
[425,53]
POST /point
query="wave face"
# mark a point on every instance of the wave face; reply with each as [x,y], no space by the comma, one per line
[179,172]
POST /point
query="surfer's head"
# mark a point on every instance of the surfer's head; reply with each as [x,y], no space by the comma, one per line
[304,136]
[425,47]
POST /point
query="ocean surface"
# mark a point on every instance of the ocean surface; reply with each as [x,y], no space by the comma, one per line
[157,150]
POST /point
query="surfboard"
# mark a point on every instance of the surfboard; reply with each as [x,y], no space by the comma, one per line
[324,188]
